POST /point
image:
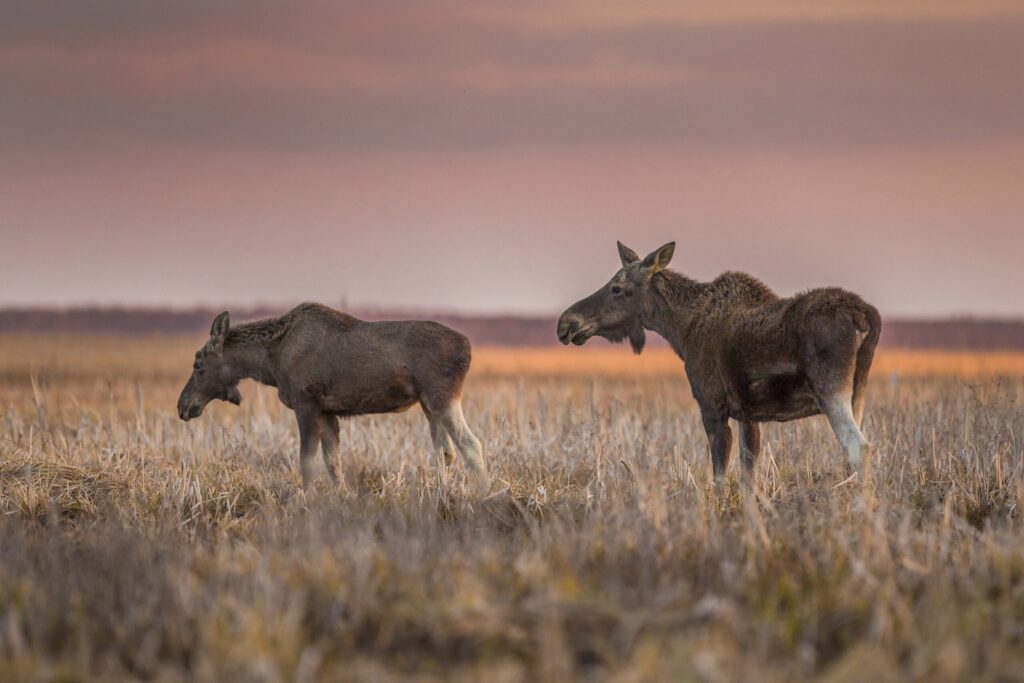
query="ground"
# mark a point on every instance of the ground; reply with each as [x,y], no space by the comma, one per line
[134,546]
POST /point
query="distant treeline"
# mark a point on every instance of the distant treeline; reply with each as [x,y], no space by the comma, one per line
[504,330]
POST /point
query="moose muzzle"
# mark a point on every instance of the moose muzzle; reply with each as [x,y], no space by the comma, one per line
[571,328]
[189,411]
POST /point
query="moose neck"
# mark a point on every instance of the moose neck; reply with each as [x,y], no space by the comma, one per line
[250,361]
[249,349]
[673,310]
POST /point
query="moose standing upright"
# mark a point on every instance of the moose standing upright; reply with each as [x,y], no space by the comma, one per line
[327,364]
[749,354]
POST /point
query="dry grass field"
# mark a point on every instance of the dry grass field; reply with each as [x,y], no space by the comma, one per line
[136,547]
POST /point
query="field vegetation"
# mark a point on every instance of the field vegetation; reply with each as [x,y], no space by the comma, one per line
[137,547]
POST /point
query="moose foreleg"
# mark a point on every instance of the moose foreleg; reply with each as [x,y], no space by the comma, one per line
[750,444]
[329,440]
[720,439]
[309,439]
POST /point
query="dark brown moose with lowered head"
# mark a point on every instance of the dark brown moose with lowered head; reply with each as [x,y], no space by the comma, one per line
[326,364]
[749,354]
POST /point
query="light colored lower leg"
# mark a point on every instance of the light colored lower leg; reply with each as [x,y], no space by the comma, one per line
[329,441]
[468,445]
[439,437]
[858,408]
[844,424]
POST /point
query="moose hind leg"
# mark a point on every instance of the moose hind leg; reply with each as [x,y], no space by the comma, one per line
[469,446]
[858,406]
[834,394]
[750,444]
[329,442]
[840,415]
[439,437]
[830,356]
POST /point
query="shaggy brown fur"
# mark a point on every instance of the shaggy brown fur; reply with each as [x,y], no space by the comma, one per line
[749,354]
[327,364]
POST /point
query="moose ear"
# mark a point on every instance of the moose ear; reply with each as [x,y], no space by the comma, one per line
[219,331]
[627,255]
[658,259]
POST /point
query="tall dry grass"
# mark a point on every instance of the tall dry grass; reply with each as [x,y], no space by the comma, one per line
[133,546]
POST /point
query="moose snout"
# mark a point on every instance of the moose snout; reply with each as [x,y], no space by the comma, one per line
[570,329]
[189,411]
[567,327]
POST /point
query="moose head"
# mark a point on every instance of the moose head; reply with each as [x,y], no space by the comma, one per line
[212,376]
[617,311]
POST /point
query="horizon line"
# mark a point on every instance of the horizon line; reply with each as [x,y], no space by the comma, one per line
[378,309]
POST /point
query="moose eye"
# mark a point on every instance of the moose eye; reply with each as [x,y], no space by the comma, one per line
[616,290]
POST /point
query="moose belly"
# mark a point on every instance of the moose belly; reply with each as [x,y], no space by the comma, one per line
[777,398]
[387,397]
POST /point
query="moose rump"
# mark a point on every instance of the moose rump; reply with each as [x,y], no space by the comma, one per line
[805,352]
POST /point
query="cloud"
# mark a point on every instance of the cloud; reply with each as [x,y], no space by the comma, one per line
[371,76]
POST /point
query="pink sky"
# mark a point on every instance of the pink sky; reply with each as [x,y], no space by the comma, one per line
[485,156]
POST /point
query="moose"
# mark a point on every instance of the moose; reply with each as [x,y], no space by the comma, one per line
[327,364]
[749,354]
